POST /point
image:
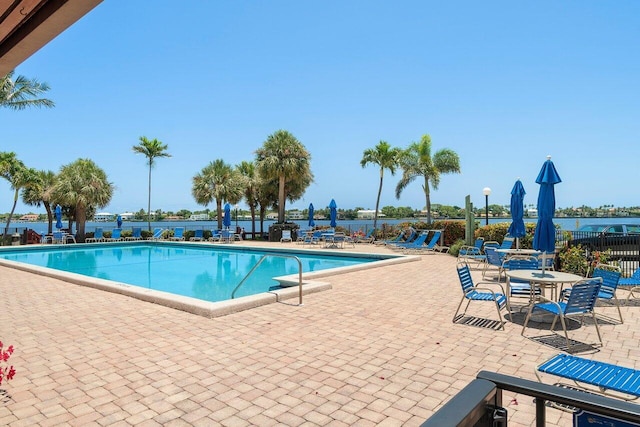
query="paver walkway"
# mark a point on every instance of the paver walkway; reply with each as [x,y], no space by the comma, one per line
[377,349]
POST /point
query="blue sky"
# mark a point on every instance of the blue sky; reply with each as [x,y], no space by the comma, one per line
[502,83]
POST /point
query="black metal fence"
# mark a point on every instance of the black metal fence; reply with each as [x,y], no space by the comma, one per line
[624,249]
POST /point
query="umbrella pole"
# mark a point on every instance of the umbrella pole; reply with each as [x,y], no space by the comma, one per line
[544,261]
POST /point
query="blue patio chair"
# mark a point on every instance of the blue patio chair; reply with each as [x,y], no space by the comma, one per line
[216,235]
[493,259]
[198,235]
[97,236]
[178,234]
[136,234]
[632,282]
[610,275]
[473,253]
[471,292]
[581,301]
[116,235]
[607,378]
[521,288]
[157,234]
[368,238]
[226,236]
[507,243]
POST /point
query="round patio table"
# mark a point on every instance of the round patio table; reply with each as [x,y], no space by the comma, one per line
[518,251]
[548,279]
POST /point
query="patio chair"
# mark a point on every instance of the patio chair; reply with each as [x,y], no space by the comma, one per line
[286,236]
[473,253]
[430,247]
[178,234]
[313,238]
[472,292]
[368,238]
[157,234]
[97,236]
[610,275]
[226,236]
[396,239]
[507,243]
[416,243]
[136,234]
[633,283]
[198,235]
[521,288]
[216,235]
[604,378]
[493,259]
[581,301]
[116,235]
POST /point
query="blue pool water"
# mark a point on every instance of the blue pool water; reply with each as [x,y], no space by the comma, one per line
[208,273]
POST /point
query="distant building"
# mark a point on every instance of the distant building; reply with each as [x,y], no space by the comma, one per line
[295,214]
[272,216]
[199,217]
[532,212]
[104,217]
[29,217]
[173,218]
[369,214]
[127,216]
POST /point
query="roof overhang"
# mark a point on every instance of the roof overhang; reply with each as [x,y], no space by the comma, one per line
[28,25]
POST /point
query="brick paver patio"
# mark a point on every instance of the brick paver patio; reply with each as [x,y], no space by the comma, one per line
[377,349]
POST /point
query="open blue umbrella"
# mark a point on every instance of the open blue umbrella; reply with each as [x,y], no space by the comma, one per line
[119,221]
[516,229]
[544,239]
[333,212]
[312,223]
[226,220]
[58,214]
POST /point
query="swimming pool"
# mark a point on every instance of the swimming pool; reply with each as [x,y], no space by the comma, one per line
[204,272]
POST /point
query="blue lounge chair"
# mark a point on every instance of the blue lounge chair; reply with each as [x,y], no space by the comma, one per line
[415,243]
[178,234]
[605,377]
[368,238]
[97,236]
[430,247]
[116,235]
[198,235]
[471,292]
[581,301]
[226,236]
[136,234]
[216,235]
[157,234]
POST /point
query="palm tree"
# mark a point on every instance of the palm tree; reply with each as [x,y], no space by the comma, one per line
[82,186]
[19,176]
[217,181]
[21,93]
[40,191]
[416,161]
[151,149]
[283,157]
[385,157]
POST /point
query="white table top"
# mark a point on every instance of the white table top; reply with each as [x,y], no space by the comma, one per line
[547,277]
[518,251]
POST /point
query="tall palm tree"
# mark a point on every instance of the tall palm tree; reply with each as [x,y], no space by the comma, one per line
[83,186]
[416,161]
[217,181]
[385,157]
[22,92]
[19,176]
[283,157]
[152,149]
[40,192]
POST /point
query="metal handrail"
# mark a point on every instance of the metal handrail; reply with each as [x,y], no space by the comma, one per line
[233,294]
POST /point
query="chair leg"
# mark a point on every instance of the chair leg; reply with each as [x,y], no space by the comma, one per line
[458,309]
[564,328]
[618,307]
[499,314]
[595,322]
[526,319]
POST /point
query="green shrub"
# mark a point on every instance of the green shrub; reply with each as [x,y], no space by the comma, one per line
[575,260]
[454,248]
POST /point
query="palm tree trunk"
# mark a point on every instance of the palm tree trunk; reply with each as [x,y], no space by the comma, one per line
[149,200]
[219,212]
[428,199]
[81,220]
[13,208]
[281,182]
[375,214]
[47,207]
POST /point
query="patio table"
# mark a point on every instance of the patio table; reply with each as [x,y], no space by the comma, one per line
[548,279]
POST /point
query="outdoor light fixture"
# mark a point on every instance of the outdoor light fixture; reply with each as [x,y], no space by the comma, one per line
[486,191]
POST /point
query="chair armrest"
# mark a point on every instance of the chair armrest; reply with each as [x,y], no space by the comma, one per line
[489,283]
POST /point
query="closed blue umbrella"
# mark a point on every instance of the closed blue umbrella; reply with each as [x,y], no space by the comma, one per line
[544,239]
[516,229]
[58,214]
[119,221]
[333,212]
[226,220]
[312,223]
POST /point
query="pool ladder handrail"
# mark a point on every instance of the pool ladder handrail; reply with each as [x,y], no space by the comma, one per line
[233,294]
